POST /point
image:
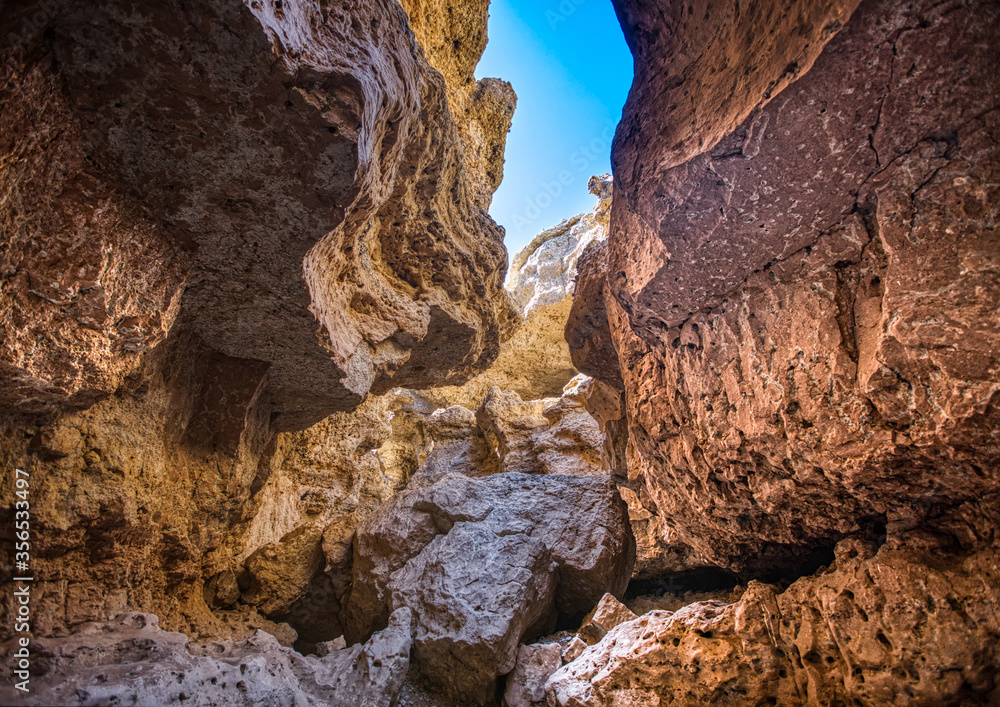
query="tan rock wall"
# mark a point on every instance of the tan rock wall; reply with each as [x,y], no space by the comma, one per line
[899,626]
[339,273]
[222,227]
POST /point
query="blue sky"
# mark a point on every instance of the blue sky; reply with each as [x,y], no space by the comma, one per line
[571,70]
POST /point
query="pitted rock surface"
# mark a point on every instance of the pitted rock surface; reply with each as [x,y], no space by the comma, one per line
[295,171]
[845,370]
[130,660]
[893,627]
[535,362]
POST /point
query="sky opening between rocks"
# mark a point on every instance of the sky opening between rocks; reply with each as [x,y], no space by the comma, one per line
[571,69]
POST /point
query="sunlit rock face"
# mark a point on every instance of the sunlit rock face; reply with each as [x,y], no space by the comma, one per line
[835,365]
[294,172]
[223,226]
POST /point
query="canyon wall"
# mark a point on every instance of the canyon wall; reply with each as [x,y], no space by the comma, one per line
[262,368]
[224,227]
[799,300]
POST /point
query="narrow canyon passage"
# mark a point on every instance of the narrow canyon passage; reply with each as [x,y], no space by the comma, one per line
[284,423]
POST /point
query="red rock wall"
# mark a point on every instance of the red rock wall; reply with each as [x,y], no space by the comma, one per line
[806,312]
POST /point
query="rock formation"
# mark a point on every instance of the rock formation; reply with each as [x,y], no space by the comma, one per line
[731,438]
[535,362]
[799,290]
[132,661]
[348,272]
[896,626]
[774,413]
[453,35]
[485,563]
[223,225]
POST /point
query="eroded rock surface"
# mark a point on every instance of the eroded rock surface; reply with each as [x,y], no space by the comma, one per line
[130,660]
[224,226]
[535,362]
[526,683]
[801,303]
[325,231]
[454,36]
[893,627]
[853,378]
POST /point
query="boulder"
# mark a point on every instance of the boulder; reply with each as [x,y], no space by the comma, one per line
[485,562]
[475,594]
[526,683]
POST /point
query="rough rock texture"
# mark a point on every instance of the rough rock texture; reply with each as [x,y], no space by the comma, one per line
[550,436]
[454,37]
[221,224]
[900,626]
[477,594]
[608,613]
[369,264]
[526,683]
[588,333]
[535,362]
[801,291]
[542,273]
[323,481]
[124,516]
[130,660]
[484,563]
[701,68]
[853,378]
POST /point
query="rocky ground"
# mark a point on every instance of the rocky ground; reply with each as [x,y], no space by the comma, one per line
[295,434]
